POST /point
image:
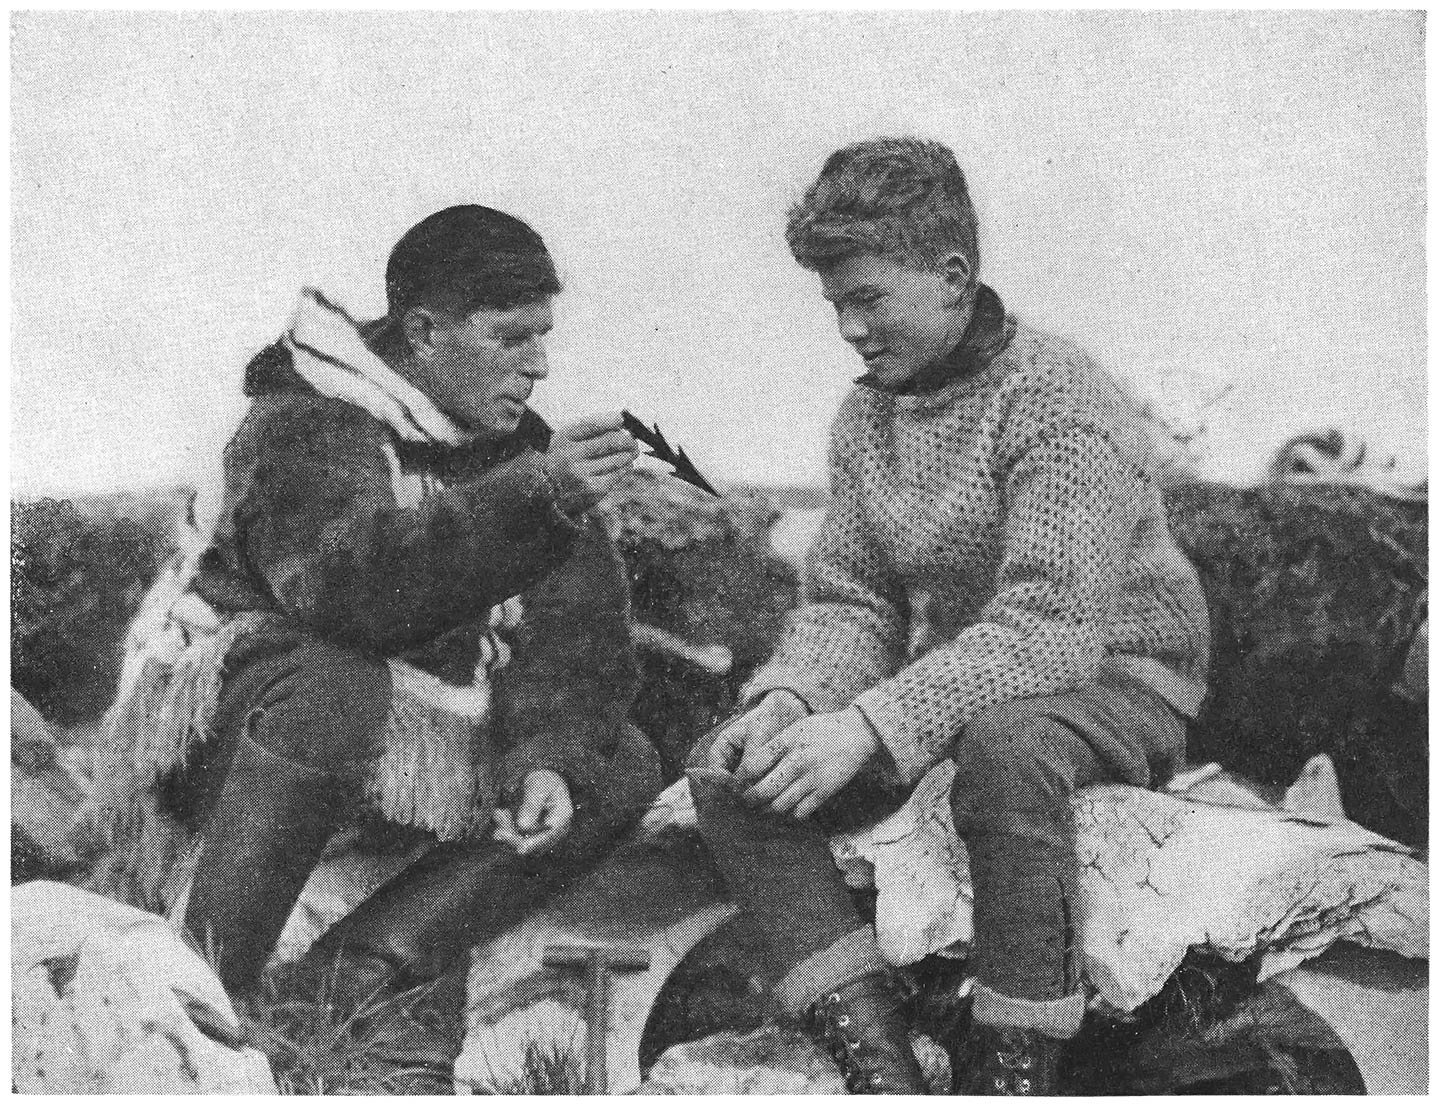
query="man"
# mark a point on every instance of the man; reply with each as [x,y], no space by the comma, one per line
[417,615]
[998,476]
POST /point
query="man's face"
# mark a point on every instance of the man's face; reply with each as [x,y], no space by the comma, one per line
[898,319]
[480,369]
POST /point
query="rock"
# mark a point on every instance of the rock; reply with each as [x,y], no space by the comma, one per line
[1378,1004]
[773,1060]
[1161,874]
[45,798]
[107,999]
[657,892]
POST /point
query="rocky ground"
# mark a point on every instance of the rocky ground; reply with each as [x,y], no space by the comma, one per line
[1313,593]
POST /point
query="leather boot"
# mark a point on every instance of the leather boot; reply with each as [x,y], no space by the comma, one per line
[265,835]
[427,918]
[860,1025]
[1010,1061]
[401,959]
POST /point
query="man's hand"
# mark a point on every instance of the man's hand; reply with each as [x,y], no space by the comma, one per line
[587,458]
[541,818]
[805,766]
[777,711]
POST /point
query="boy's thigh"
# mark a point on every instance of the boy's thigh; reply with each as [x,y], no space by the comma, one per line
[1111,729]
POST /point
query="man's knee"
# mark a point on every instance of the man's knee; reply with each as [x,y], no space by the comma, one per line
[324,706]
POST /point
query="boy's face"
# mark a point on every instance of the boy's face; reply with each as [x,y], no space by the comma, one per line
[899,319]
[480,369]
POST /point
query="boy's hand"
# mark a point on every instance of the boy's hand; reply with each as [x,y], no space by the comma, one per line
[809,763]
[776,711]
[587,458]
[541,818]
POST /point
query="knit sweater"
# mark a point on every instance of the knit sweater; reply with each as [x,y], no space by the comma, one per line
[1016,504]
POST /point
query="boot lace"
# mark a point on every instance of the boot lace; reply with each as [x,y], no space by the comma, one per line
[846,1046]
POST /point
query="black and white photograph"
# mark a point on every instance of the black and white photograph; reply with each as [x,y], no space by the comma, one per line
[719,552]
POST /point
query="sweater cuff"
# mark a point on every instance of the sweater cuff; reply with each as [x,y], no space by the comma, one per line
[887,716]
[815,696]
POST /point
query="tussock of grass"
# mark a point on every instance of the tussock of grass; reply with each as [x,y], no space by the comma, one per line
[547,1070]
[318,1045]
[390,1045]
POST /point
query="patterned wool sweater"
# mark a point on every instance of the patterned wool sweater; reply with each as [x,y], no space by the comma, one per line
[1017,503]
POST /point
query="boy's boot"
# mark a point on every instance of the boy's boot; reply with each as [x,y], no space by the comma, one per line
[861,1026]
[1010,1061]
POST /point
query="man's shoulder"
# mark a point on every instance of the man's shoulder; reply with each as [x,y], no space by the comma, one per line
[306,421]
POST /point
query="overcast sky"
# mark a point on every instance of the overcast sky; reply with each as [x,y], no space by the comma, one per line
[1202,200]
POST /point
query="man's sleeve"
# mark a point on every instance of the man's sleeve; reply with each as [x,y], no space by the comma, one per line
[319,523]
[563,699]
[1069,501]
[849,631]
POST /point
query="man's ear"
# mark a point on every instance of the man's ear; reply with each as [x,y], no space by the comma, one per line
[419,326]
[955,271]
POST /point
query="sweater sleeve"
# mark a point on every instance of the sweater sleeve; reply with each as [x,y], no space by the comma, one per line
[562,702]
[1068,499]
[849,631]
[320,525]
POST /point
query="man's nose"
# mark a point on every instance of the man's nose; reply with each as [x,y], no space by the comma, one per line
[535,364]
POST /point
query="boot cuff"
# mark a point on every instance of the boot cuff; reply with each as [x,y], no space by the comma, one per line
[847,959]
[1059,1019]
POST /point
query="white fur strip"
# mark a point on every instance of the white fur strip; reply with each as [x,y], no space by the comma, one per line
[331,356]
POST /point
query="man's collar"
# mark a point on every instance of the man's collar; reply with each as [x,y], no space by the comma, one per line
[986,337]
[328,352]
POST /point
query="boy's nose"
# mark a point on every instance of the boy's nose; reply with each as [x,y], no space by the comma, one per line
[852,326]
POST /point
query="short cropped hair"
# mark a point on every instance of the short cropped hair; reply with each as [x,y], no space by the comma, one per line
[904,199]
[468,257]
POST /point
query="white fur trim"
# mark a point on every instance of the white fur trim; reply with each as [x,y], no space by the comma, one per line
[330,355]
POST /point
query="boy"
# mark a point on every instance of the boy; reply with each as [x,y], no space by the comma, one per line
[998,474]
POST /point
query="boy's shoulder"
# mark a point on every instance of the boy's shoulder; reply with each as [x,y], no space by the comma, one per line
[1053,377]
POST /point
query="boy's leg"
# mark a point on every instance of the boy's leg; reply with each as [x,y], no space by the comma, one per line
[1017,766]
[297,722]
[781,871]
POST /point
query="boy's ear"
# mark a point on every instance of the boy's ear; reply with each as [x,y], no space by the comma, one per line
[956,271]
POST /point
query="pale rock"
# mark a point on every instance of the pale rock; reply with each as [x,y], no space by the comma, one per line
[771,1061]
[657,892]
[107,999]
[1214,868]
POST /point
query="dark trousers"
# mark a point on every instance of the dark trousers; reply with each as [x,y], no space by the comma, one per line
[298,724]
[1017,766]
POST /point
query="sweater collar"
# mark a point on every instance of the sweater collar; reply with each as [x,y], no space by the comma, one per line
[328,352]
[987,335]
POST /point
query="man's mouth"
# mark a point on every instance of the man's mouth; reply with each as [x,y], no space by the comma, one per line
[871,356]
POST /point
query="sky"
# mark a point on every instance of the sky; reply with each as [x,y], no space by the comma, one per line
[1226,209]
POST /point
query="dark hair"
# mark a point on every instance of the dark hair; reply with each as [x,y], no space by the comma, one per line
[900,198]
[467,257]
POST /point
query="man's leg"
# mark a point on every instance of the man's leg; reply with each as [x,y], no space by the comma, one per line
[1017,766]
[298,722]
[404,951]
[415,927]
[781,871]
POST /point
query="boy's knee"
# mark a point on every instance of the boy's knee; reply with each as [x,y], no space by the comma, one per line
[1007,762]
